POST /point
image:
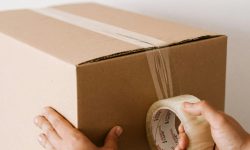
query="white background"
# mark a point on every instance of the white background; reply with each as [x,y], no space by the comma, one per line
[230,17]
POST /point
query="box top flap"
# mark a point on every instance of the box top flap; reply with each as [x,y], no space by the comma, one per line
[79,33]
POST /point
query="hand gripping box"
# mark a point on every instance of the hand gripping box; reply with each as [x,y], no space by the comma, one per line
[100,67]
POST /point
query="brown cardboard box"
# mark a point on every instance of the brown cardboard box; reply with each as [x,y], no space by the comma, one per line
[101,78]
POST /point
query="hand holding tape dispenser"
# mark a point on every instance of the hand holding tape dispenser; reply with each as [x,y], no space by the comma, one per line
[161,125]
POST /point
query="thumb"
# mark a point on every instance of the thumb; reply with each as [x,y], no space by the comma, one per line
[112,138]
[208,112]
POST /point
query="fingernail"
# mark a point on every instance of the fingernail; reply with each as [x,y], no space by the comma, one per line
[118,131]
[187,105]
[45,110]
[40,139]
[36,120]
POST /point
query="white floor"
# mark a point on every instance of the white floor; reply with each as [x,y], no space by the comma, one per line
[228,17]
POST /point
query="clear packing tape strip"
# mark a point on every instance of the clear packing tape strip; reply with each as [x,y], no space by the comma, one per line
[161,117]
[161,125]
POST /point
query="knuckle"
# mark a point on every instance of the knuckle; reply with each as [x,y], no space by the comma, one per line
[76,137]
[221,119]
[56,121]
[203,104]
[48,129]
[42,120]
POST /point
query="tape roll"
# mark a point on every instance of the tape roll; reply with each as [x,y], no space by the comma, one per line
[162,120]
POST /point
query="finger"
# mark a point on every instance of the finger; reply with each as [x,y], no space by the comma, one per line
[181,129]
[112,138]
[183,138]
[60,124]
[183,141]
[215,118]
[43,140]
[47,129]
[177,148]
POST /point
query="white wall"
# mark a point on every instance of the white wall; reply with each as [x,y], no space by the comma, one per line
[230,17]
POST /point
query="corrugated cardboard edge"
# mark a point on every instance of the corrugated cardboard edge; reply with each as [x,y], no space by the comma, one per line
[129,52]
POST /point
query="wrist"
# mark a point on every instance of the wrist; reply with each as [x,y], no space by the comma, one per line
[246,145]
[248,142]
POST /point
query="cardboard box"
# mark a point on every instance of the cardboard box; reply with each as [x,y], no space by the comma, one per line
[100,67]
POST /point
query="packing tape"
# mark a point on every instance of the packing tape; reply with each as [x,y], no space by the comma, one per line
[122,34]
[159,66]
[161,125]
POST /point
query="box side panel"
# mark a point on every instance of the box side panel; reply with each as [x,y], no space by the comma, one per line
[199,68]
[116,92]
[120,91]
[29,81]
